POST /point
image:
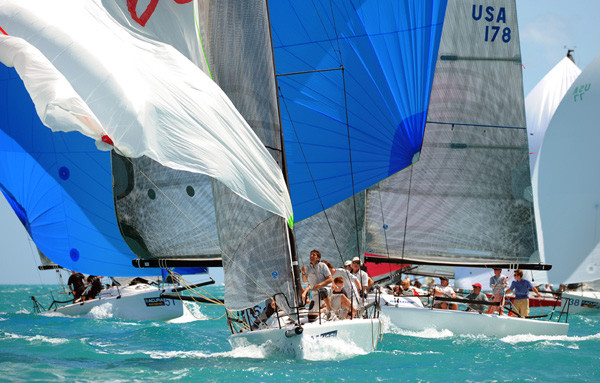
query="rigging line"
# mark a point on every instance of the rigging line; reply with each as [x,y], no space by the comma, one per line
[387,249]
[347,130]
[178,278]
[406,217]
[33,251]
[311,177]
[198,228]
[325,30]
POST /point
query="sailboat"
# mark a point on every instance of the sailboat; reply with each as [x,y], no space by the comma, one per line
[566,191]
[540,106]
[467,201]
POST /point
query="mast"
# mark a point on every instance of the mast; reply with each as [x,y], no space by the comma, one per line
[292,237]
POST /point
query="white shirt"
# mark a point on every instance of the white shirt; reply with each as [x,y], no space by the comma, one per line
[317,273]
[446,291]
[362,277]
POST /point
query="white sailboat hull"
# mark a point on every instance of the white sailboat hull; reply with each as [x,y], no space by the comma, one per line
[138,302]
[469,323]
[582,302]
[363,333]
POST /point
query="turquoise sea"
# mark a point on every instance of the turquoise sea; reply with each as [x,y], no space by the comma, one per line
[104,349]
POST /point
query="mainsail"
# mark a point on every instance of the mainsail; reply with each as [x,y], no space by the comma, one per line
[354,82]
[468,198]
[255,243]
[212,220]
[567,183]
[163,212]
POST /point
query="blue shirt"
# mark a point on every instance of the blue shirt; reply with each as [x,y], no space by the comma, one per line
[521,288]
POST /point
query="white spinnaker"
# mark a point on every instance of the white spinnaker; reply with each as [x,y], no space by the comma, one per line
[540,105]
[542,101]
[86,72]
[566,183]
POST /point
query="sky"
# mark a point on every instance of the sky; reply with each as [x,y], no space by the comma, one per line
[547,28]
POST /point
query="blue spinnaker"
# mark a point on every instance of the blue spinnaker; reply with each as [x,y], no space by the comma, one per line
[60,187]
[355,78]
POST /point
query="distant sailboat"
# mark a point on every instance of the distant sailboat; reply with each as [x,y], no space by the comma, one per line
[567,189]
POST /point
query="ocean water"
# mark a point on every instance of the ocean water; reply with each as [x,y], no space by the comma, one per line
[100,348]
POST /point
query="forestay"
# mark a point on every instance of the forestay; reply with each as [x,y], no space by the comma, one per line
[469,195]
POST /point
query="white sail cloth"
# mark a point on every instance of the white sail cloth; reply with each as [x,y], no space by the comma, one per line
[87,73]
[542,101]
[566,183]
[540,105]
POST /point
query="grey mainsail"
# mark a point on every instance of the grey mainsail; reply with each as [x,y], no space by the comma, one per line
[468,198]
[199,217]
[254,242]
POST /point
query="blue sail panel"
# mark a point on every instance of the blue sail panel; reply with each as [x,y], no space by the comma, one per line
[354,80]
[60,187]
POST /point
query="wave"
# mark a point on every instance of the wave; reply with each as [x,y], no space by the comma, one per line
[191,313]
[528,338]
[103,311]
[430,333]
[36,338]
[23,311]
[330,349]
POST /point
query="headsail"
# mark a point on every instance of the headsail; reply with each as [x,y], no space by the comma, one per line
[567,183]
[185,120]
[468,198]
[354,80]
[540,105]
[542,101]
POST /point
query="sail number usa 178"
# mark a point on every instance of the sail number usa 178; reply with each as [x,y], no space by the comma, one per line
[495,15]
